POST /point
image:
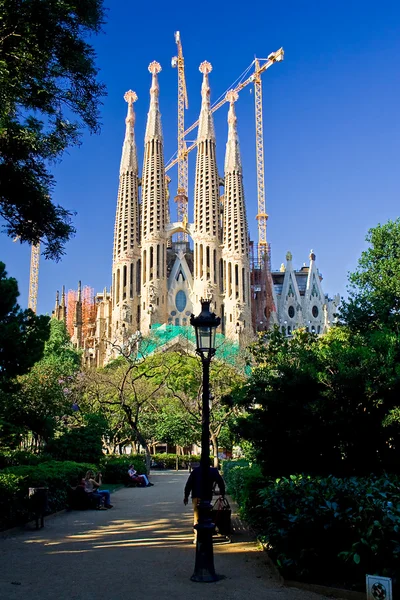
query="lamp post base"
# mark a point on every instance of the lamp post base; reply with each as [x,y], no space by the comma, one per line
[204,571]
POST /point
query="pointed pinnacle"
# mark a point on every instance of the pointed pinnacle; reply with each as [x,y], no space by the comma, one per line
[205,67]
[232,96]
[154,67]
[130,97]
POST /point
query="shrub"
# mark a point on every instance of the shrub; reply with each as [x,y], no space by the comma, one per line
[83,444]
[16,481]
[11,458]
[318,526]
[325,530]
[243,483]
[115,467]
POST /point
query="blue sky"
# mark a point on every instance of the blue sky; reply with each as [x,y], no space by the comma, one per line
[331,127]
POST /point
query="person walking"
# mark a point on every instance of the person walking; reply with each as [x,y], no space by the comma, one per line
[193,486]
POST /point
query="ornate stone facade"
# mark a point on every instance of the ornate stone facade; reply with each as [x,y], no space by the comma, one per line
[157,280]
[300,300]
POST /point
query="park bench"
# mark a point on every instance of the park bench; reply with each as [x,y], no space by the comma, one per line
[78,499]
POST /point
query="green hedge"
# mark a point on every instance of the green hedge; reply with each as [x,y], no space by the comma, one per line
[328,530]
[13,458]
[169,460]
[115,467]
[16,481]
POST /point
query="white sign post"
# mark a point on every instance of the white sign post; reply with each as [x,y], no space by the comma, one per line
[379,588]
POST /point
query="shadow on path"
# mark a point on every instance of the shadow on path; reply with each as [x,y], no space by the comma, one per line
[142,548]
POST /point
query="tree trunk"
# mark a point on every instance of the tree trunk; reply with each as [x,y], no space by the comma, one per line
[214,441]
[144,445]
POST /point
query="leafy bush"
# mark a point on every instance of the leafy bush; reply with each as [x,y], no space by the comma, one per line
[115,467]
[325,530]
[13,458]
[83,444]
[243,483]
[16,481]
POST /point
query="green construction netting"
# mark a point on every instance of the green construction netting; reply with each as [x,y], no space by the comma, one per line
[164,336]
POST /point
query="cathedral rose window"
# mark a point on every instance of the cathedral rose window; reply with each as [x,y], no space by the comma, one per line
[180,301]
[315,311]
[291,312]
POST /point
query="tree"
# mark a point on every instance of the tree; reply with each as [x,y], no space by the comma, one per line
[22,333]
[323,405]
[174,425]
[129,386]
[44,395]
[374,290]
[185,384]
[47,76]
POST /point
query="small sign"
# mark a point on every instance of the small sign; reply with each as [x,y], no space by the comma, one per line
[379,588]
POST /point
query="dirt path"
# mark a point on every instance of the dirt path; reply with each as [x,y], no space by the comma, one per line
[142,548]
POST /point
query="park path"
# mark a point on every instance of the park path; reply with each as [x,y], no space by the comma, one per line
[142,548]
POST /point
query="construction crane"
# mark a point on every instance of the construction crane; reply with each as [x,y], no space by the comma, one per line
[262,216]
[181,197]
[272,59]
[34,277]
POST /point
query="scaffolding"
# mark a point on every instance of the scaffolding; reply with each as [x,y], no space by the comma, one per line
[86,313]
[71,304]
[262,299]
[88,310]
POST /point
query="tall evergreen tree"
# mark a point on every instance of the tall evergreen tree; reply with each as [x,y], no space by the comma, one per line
[48,92]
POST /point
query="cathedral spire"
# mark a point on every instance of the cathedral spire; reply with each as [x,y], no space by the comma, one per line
[232,156]
[235,219]
[126,255]
[153,127]
[129,155]
[206,121]
[57,302]
[235,251]
[207,204]
[154,214]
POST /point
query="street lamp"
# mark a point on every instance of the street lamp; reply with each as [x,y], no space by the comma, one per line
[205,326]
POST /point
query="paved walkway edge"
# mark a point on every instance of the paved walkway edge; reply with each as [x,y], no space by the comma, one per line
[326,591]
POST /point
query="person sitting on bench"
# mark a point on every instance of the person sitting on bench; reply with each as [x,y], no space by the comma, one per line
[92,487]
[136,478]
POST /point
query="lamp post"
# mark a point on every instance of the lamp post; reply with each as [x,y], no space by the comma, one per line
[205,326]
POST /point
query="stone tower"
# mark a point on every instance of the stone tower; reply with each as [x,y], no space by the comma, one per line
[207,207]
[154,216]
[77,339]
[126,255]
[60,310]
[235,253]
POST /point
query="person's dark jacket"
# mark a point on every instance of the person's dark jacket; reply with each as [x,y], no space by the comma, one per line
[193,484]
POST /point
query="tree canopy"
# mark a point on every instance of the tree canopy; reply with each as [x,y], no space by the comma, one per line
[324,405]
[48,92]
[44,394]
[22,333]
[329,404]
[374,287]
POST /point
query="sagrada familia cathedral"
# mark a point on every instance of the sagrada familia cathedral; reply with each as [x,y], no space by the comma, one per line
[159,282]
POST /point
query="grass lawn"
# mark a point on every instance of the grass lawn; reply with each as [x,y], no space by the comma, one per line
[112,487]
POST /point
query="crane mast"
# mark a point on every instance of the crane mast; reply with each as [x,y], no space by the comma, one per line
[272,59]
[34,277]
[262,216]
[181,198]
